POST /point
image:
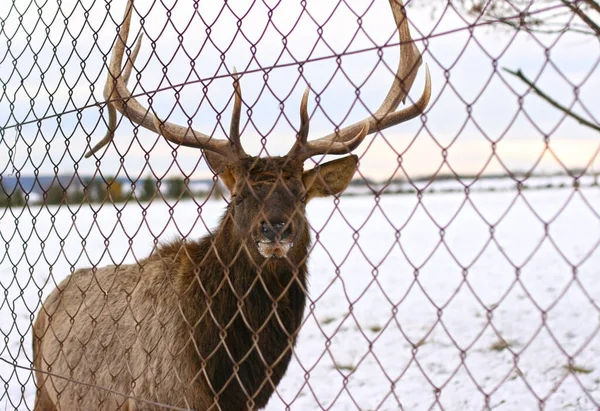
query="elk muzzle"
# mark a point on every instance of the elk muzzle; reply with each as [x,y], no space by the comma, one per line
[275,238]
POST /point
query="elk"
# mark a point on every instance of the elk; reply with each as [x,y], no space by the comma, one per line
[205,324]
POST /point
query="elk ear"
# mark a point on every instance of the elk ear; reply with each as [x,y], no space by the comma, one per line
[218,165]
[330,178]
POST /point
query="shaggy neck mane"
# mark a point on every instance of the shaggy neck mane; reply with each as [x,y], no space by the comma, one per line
[230,295]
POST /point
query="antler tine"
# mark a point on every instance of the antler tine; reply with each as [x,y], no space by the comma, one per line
[304,149]
[119,98]
[350,137]
[112,112]
[234,129]
[300,144]
[408,66]
[129,64]
[304,119]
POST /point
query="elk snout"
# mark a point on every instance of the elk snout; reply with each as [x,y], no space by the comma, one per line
[276,231]
[275,238]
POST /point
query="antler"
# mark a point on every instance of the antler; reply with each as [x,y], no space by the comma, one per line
[119,98]
[349,138]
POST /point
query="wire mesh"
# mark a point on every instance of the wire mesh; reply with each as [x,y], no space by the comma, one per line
[456,270]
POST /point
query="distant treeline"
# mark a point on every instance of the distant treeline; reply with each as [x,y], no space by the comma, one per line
[73,190]
[517,175]
[100,190]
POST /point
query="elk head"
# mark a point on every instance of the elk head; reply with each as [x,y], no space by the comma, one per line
[268,195]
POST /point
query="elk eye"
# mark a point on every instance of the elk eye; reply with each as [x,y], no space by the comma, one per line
[237,199]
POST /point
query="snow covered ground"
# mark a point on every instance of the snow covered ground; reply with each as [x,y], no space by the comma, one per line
[446,302]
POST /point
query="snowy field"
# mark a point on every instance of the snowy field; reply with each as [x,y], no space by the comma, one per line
[448,303]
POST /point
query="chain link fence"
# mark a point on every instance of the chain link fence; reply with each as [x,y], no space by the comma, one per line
[453,267]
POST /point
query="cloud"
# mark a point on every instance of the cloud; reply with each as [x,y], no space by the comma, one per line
[57,63]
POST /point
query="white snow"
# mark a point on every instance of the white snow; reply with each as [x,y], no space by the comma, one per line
[409,299]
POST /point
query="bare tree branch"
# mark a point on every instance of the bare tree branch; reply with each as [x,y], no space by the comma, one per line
[586,19]
[519,74]
[541,16]
[593,5]
[548,30]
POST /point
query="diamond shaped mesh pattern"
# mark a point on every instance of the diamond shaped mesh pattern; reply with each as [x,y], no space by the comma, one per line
[458,270]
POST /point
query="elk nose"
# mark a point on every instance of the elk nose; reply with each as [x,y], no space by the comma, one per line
[276,230]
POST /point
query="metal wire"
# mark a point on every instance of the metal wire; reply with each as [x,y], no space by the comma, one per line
[382,328]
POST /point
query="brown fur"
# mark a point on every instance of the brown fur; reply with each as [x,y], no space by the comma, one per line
[206,325]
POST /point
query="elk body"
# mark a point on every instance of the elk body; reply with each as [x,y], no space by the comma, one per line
[207,324]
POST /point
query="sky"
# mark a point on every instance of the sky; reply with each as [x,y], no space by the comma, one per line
[480,119]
